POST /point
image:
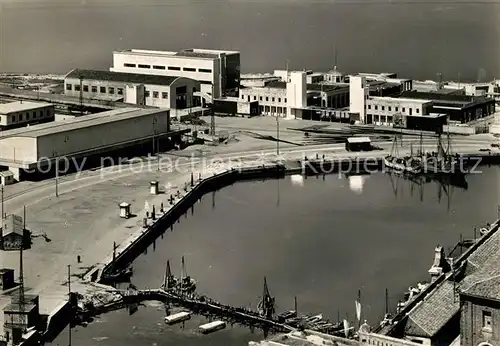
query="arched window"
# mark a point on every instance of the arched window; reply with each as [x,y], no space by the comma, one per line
[485,344]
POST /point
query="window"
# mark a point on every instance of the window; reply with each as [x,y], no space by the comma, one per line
[156,94]
[242,97]
[111,90]
[20,117]
[396,109]
[390,108]
[410,109]
[158,67]
[86,88]
[204,70]
[174,68]
[128,65]
[383,108]
[102,90]
[146,93]
[164,95]
[285,100]
[404,110]
[205,82]
[40,114]
[69,87]
[28,116]
[189,69]
[144,66]
[487,320]
[77,87]
[279,99]
[94,89]
[376,107]
[260,98]
[418,110]
[273,99]
[369,106]
[13,118]
[254,98]
[120,91]
[267,98]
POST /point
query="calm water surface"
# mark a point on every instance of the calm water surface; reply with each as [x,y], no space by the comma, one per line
[321,241]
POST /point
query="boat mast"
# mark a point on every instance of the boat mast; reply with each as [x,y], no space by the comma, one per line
[421,144]
[386,301]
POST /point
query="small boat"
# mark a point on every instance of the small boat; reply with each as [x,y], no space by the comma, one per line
[177,318]
[212,327]
[406,164]
[314,319]
[284,316]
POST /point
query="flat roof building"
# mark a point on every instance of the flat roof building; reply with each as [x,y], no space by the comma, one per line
[175,93]
[218,71]
[22,113]
[40,145]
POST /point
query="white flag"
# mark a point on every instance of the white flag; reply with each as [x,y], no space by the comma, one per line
[358,310]
[346,328]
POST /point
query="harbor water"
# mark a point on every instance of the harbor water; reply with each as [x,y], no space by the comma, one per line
[320,239]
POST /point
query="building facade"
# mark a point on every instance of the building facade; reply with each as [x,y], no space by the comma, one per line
[140,89]
[389,111]
[218,71]
[285,99]
[18,114]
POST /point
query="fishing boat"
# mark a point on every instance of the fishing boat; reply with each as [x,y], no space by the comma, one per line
[442,161]
[402,164]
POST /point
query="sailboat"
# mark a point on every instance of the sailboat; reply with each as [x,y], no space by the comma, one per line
[186,283]
[405,164]
[442,161]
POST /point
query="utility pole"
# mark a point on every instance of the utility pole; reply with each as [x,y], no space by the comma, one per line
[81,96]
[212,118]
[2,204]
[57,177]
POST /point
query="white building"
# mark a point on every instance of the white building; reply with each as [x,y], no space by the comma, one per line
[218,71]
[358,94]
[175,93]
[282,99]
[16,114]
[35,147]
[386,110]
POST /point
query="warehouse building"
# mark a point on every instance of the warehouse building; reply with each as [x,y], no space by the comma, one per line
[458,108]
[174,93]
[22,113]
[218,71]
[26,151]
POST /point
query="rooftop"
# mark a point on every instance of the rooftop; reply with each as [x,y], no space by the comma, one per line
[115,115]
[310,87]
[12,224]
[399,99]
[430,315]
[191,52]
[11,107]
[134,78]
[439,97]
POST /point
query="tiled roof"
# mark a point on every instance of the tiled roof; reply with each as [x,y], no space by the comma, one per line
[432,314]
[484,252]
[485,281]
[134,78]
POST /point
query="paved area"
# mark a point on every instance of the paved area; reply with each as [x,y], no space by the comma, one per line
[83,220]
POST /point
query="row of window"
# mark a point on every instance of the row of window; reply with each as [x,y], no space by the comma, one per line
[28,116]
[396,109]
[111,90]
[171,68]
[273,99]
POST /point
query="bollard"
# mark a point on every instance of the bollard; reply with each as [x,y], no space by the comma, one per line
[317,156]
[192,179]
[153,213]
[147,215]
[199,176]
[78,259]
[145,223]
[171,199]
[161,207]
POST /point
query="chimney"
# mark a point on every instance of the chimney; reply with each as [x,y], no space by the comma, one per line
[440,264]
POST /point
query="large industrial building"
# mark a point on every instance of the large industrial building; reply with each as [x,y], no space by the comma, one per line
[26,150]
[175,93]
[22,113]
[218,71]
